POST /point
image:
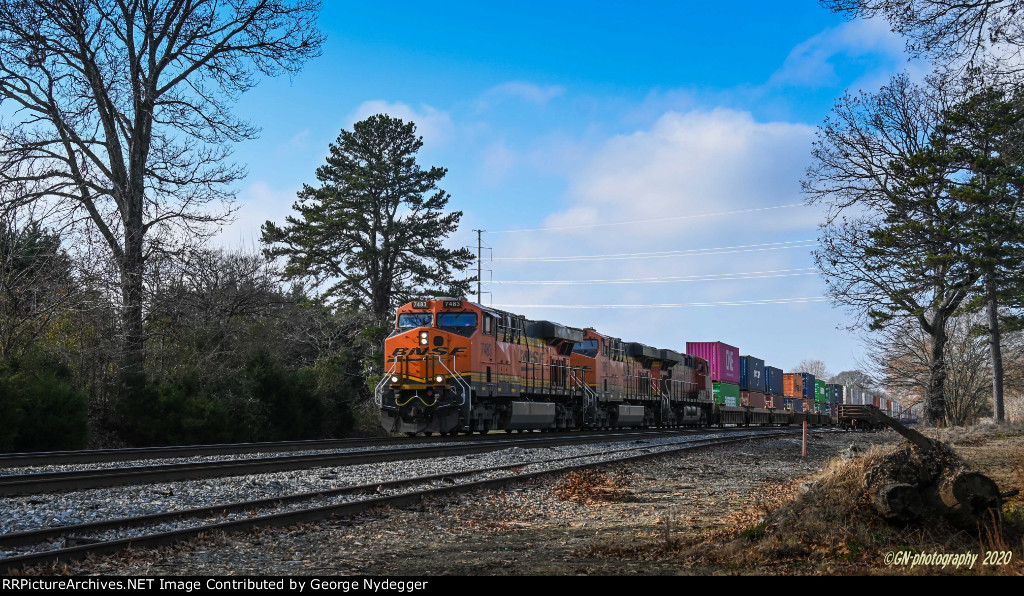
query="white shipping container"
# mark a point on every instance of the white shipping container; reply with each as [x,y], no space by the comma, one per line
[855,396]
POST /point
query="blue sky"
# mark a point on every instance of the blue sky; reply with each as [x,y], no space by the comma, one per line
[695,121]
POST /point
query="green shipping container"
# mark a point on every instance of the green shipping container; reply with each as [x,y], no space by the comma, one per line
[727,394]
[820,392]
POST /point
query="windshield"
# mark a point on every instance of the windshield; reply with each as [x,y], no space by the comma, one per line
[456,319]
[461,323]
[415,319]
[587,347]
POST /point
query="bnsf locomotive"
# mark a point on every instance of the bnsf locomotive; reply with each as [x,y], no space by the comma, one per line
[456,366]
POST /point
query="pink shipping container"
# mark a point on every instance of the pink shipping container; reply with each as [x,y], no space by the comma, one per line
[723,359]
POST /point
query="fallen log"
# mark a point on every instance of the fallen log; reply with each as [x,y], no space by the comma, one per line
[969,495]
[913,484]
[897,501]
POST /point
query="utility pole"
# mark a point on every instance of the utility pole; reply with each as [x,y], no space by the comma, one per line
[479,270]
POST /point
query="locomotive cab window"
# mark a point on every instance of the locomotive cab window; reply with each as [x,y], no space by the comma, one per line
[462,323]
[411,320]
[587,347]
[488,325]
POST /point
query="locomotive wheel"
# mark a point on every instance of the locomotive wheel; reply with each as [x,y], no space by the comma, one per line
[427,433]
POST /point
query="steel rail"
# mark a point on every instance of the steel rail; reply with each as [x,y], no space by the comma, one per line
[322,512]
[23,484]
[90,456]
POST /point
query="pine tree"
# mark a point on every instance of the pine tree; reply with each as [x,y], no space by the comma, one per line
[372,234]
[982,136]
[894,247]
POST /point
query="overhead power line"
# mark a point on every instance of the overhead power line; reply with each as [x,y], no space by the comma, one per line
[668,253]
[642,221]
[670,279]
[682,305]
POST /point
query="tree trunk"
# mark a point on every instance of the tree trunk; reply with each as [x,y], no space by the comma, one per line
[997,354]
[935,407]
[133,351]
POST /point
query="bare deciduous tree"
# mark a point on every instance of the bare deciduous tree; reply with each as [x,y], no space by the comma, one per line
[121,116]
[893,246]
[855,378]
[902,354]
[815,367]
[984,34]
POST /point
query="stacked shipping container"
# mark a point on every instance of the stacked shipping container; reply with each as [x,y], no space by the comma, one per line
[793,389]
[723,359]
[724,363]
[774,387]
[727,394]
[808,385]
[835,393]
[752,382]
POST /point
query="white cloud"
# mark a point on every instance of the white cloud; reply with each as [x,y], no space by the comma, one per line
[685,163]
[435,126]
[530,92]
[256,204]
[810,63]
[498,161]
[299,142]
[692,163]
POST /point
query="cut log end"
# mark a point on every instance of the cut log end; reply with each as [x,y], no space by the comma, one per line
[898,502]
[970,493]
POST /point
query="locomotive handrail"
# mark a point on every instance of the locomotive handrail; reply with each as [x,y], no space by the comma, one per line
[589,394]
[461,382]
[640,387]
[532,382]
[378,391]
[677,389]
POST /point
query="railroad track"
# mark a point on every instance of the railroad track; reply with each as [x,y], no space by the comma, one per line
[51,545]
[93,456]
[41,482]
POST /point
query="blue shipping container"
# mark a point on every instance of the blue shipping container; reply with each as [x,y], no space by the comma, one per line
[752,374]
[773,380]
[808,385]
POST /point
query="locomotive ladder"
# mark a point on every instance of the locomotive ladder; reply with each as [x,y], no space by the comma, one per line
[464,388]
[378,391]
[589,395]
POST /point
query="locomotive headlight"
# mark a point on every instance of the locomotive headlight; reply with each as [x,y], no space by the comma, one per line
[394,379]
[423,338]
[439,378]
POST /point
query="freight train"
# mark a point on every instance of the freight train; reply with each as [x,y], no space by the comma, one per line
[456,366]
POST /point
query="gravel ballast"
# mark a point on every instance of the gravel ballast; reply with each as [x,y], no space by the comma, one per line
[522,530]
